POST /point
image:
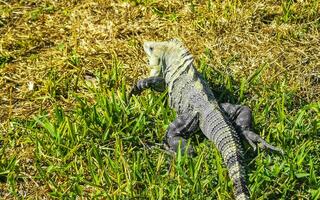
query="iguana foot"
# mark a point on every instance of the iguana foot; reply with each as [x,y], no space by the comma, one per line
[155,83]
[184,148]
[255,139]
[242,118]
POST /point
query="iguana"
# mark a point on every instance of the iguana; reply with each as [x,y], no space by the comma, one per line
[196,107]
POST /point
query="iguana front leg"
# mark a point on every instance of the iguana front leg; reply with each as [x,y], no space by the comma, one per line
[242,117]
[181,127]
[156,83]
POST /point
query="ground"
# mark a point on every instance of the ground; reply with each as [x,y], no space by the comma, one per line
[67,129]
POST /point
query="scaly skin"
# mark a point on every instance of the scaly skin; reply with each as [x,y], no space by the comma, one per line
[196,107]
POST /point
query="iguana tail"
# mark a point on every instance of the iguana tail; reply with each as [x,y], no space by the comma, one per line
[216,128]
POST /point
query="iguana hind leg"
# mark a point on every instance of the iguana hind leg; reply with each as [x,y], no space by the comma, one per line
[242,117]
[181,127]
[156,83]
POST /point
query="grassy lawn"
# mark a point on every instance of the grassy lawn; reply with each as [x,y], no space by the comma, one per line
[68,130]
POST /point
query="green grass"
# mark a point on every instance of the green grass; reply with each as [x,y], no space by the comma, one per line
[76,134]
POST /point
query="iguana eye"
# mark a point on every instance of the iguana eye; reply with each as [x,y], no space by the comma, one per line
[151,48]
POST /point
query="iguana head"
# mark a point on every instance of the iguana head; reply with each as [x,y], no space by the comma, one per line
[156,52]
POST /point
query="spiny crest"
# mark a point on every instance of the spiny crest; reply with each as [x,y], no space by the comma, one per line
[177,50]
[177,44]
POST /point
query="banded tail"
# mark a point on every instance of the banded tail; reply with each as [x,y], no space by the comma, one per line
[226,140]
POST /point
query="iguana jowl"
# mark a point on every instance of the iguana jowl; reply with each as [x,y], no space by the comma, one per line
[196,107]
